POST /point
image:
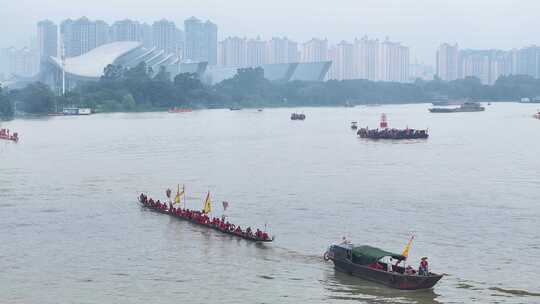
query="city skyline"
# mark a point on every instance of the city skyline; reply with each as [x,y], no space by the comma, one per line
[197,41]
[497,24]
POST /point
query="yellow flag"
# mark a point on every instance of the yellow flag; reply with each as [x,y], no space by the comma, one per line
[179,194]
[407,248]
[207,204]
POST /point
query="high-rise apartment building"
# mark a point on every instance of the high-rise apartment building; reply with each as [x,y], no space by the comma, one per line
[315,50]
[126,30]
[146,35]
[19,62]
[200,41]
[447,62]
[232,52]
[528,61]
[486,65]
[394,62]
[165,36]
[342,61]
[82,35]
[47,39]
[282,50]
[366,58]
[255,52]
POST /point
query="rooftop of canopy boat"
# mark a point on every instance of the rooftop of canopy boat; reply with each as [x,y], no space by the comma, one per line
[365,254]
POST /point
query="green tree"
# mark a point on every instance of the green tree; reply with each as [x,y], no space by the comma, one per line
[6,106]
[36,98]
[128,102]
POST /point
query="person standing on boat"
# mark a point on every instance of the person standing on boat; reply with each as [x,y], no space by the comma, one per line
[424,267]
[389,265]
[344,241]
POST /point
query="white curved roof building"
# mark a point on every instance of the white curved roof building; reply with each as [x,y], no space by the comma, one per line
[90,66]
[93,63]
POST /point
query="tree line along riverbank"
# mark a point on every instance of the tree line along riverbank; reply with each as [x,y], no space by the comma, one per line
[139,89]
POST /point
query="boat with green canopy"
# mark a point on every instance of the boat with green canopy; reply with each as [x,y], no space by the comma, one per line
[367,262]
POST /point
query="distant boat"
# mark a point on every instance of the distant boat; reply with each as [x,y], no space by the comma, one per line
[235,108]
[530,100]
[77,111]
[537,115]
[354,125]
[296,116]
[466,107]
[180,110]
[448,103]
[366,262]
[5,135]
[384,132]
[215,106]
[259,110]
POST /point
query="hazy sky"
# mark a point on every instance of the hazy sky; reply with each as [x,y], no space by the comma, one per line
[420,24]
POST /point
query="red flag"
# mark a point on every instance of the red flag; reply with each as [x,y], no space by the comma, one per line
[225,205]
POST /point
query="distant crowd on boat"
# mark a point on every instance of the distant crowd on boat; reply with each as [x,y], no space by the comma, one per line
[180,110]
[392,133]
[5,134]
[384,132]
[202,218]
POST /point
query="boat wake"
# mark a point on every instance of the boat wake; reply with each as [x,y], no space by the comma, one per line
[517,292]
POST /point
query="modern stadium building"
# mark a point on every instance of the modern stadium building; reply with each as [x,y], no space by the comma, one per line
[90,66]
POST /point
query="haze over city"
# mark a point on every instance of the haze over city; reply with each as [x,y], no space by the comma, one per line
[280,152]
[421,25]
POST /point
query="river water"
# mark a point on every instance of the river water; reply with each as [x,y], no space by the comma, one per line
[72,232]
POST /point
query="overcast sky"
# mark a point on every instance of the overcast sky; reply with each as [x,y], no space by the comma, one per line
[420,24]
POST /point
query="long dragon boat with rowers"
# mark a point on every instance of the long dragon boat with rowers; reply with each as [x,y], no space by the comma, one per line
[4,134]
[201,218]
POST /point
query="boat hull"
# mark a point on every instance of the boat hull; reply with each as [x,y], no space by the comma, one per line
[390,279]
[180,110]
[9,137]
[457,110]
[243,236]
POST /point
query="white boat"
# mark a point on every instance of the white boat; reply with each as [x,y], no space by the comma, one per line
[77,111]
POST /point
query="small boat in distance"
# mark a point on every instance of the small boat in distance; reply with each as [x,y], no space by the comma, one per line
[296,116]
[77,111]
[466,107]
[448,103]
[235,108]
[180,110]
[354,125]
[5,135]
[366,262]
[530,100]
[537,115]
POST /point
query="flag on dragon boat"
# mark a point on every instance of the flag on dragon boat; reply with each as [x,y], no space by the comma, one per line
[225,205]
[179,194]
[207,204]
[407,248]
